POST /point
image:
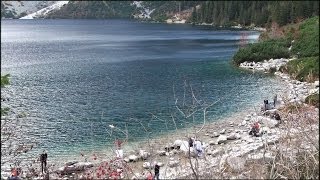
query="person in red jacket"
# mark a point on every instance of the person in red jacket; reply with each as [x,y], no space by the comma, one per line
[255,129]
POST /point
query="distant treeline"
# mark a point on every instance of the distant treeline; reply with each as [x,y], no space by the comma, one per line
[260,13]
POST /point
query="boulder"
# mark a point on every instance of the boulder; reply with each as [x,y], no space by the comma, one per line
[184,146]
[144,154]
[177,143]
[231,136]
[126,159]
[147,165]
[223,131]
[79,166]
[316,83]
[215,134]
[214,153]
[133,158]
[221,139]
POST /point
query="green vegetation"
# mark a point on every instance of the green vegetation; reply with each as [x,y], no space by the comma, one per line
[307,42]
[94,10]
[262,51]
[303,69]
[260,13]
[305,46]
[313,100]
[4,82]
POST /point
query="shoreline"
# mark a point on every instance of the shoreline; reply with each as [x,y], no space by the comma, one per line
[238,123]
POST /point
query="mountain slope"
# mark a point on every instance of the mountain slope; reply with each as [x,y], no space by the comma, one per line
[17,9]
[43,12]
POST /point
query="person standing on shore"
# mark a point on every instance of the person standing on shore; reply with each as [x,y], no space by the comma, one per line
[274,100]
[156,171]
[43,160]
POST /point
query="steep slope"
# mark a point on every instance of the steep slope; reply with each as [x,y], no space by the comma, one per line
[43,12]
[17,9]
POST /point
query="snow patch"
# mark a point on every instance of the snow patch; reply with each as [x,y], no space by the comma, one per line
[46,10]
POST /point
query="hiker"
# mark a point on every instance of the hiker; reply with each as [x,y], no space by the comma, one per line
[274,100]
[198,148]
[43,160]
[14,174]
[156,171]
[190,142]
[149,176]
[265,104]
[277,117]
[255,129]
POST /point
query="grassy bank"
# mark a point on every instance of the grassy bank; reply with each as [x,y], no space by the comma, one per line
[304,41]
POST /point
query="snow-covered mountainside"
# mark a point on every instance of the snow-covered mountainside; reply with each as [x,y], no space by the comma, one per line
[43,12]
[145,12]
[16,9]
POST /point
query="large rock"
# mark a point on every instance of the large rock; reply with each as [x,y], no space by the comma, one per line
[184,146]
[133,158]
[144,154]
[223,131]
[80,166]
[177,143]
[215,134]
[221,139]
[147,165]
[214,153]
[233,136]
[236,163]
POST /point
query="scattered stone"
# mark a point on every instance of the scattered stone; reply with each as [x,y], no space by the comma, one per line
[147,165]
[144,154]
[222,131]
[215,134]
[133,158]
[221,139]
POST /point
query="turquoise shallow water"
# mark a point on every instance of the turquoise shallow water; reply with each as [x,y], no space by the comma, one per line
[75,77]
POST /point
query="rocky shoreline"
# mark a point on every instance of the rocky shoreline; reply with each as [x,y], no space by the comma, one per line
[227,146]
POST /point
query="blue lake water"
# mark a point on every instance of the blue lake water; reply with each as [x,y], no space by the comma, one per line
[75,77]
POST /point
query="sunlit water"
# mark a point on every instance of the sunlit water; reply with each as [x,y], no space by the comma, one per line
[75,77]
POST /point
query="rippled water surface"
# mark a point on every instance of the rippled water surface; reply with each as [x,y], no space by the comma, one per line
[75,77]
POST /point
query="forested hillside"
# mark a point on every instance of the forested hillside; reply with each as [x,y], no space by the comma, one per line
[120,9]
[259,13]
